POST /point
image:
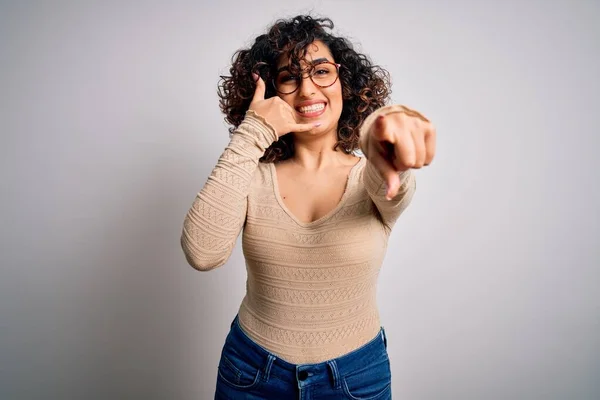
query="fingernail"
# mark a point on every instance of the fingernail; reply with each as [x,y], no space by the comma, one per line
[255,76]
[318,124]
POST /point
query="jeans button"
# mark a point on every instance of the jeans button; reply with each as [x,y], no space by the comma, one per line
[302,375]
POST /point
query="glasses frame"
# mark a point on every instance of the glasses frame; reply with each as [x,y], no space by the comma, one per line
[310,75]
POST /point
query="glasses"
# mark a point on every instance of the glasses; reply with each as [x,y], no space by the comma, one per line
[323,75]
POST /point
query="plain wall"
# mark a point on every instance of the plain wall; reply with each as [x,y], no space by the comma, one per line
[110,125]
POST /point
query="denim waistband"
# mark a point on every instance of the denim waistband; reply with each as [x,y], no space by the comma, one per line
[371,351]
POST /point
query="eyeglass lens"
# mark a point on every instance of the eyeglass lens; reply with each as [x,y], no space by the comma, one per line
[323,75]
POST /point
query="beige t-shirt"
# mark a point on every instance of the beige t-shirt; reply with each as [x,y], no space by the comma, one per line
[311,287]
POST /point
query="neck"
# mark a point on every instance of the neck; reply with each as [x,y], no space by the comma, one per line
[315,152]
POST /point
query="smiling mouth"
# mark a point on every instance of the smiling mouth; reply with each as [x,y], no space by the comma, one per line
[311,111]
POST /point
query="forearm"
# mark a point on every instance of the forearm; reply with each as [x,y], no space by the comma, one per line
[375,184]
[217,215]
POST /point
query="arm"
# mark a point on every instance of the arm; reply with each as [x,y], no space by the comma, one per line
[375,184]
[389,210]
[214,221]
[217,216]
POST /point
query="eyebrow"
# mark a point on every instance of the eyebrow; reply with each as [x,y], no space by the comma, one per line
[313,62]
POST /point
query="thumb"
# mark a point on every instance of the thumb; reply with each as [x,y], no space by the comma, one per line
[259,92]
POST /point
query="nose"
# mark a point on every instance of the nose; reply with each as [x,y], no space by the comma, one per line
[307,87]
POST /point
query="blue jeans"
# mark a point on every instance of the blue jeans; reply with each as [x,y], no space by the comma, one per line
[248,371]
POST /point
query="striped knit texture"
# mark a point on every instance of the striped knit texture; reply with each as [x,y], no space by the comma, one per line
[311,287]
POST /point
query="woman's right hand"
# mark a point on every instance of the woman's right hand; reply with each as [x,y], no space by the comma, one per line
[276,112]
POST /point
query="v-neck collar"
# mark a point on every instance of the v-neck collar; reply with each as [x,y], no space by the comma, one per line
[349,181]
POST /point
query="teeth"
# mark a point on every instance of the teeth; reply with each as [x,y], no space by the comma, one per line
[313,108]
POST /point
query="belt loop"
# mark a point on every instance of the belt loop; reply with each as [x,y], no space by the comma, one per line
[335,374]
[384,337]
[267,371]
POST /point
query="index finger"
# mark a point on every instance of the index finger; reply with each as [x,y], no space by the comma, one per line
[303,127]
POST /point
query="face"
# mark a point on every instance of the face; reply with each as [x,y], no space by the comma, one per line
[311,102]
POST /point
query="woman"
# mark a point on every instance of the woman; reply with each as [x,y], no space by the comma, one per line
[315,217]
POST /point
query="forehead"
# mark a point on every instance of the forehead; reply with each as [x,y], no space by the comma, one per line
[314,51]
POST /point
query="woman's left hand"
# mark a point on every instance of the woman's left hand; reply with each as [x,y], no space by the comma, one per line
[397,142]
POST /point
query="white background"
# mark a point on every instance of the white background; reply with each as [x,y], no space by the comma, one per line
[110,125]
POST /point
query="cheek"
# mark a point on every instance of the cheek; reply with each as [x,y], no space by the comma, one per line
[336,89]
[287,98]
[336,100]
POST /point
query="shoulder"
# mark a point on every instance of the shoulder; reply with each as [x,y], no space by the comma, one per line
[360,163]
[262,174]
[356,172]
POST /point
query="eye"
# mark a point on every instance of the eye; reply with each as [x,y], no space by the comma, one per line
[285,78]
[322,71]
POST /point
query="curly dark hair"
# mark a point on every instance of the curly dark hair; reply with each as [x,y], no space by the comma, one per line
[365,86]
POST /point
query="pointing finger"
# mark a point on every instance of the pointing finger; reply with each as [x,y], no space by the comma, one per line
[389,174]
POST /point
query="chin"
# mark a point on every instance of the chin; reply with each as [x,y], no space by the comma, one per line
[317,130]
[321,130]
